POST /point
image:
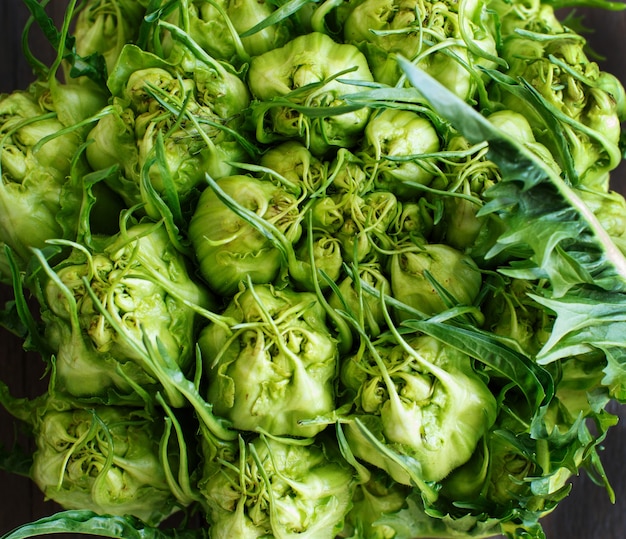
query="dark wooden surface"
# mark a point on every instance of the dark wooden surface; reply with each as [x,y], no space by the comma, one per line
[585,514]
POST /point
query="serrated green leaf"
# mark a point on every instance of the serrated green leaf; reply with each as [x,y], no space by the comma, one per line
[615,373]
[585,319]
[531,193]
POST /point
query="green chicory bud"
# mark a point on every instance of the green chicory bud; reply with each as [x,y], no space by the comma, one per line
[613,87]
[555,64]
[529,59]
[328,212]
[245,14]
[382,29]
[169,123]
[509,466]
[348,174]
[144,296]
[216,26]
[380,496]
[433,278]
[511,313]
[313,71]
[37,161]
[609,207]
[358,222]
[24,123]
[105,459]
[516,125]
[322,253]
[105,26]
[365,305]
[528,15]
[424,401]
[413,220]
[227,248]
[396,141]
[470,178]
[462,224]
[601,114]
[294,162]
[278,488]
[274,368]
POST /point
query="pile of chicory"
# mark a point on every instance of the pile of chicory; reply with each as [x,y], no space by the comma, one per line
[313,269]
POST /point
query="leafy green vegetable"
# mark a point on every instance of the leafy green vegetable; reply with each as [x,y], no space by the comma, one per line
[279,488]
[170,123]
[314,71]
[228,249]
[446,39]
[274,366]
[418,273]
[92,66]
[106,460]
[395,140]
[105,26]
[340,269]
[41,166]
[424,401]
[143,293]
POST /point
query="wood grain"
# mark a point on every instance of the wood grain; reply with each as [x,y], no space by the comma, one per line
[586,514]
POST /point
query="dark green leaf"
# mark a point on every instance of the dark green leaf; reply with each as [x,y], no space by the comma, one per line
[89,523]
[16,460]
[534,381]
[567,245]
[49,29]
[92,66]
[282,12]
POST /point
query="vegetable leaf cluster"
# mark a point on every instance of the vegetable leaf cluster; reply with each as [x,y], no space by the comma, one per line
[341,269]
